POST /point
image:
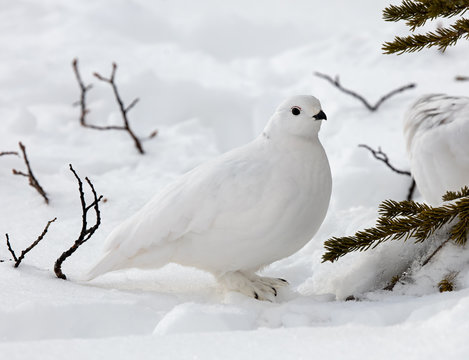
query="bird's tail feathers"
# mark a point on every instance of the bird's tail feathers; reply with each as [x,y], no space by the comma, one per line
[107,263]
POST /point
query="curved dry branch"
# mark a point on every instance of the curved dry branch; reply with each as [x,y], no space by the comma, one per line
[20,258]
[32,179]
[123,109]
[381,156]
[365,102]
[3,153]
[86,231]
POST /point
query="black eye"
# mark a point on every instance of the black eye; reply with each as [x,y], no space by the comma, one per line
[295,110]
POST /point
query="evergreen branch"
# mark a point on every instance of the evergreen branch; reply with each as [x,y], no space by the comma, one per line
[406,11]
[404,220]
[447,283]
[392,208]
[433,219]
[459,231]
[441,37]
[386,229]
[418,13]
[453,195]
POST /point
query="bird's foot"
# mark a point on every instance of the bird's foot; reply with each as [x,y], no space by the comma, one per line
[258,287]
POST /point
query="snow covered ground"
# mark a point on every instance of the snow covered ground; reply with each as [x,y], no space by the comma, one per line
[209,74]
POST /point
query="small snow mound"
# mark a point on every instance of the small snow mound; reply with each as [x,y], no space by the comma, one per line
[189,318]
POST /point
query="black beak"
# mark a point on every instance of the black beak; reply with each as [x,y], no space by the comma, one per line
[320,116]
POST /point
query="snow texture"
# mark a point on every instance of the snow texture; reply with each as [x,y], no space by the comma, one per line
[209,74]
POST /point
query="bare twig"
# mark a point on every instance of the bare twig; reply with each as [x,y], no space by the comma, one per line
[381,156]
[410,192]
[461,78]
[394,281]
[427,260]
[396,278]
[84,89]
[19,259]
[86,232]
[2,153]
[365,102]
[123,109]
[33,245]
[32,180]
[10,249]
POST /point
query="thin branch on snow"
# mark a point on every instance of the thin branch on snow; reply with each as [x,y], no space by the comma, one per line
[19,259]
[84,89]
[3,153]
[86,232]
[10,249]
[427,260]
[461,78]
[365,102]
[397,278]
[32,179]
[123,109]
[381,156]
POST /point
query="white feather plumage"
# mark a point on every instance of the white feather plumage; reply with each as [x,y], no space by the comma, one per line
[239,212]
[436,129]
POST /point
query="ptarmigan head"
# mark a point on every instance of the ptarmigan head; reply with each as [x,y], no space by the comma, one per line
[298,116]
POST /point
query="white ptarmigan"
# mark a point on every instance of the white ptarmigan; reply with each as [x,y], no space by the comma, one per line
[236,214]
[436,130]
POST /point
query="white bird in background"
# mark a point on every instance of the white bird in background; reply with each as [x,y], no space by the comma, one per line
[436,129]
[236,214]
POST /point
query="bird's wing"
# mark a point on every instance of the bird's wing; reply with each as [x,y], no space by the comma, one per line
[437,132]
[231,184]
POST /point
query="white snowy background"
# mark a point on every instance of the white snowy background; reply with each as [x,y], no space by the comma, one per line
[209,74]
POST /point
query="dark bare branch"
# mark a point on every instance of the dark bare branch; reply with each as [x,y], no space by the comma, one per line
[381,156]
[365,102]
[33,245]
[132,104]
[20,173]
[111,127]
[152,135]
[19,259]
[123,109]
[461,78]
[410,193]
[3,153]
[427,260]
[86,232]
[83,90]
[32,179]
[10,249]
